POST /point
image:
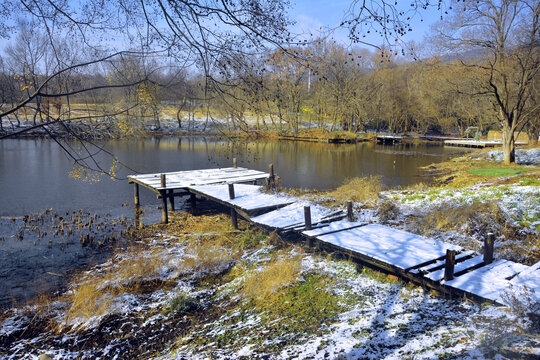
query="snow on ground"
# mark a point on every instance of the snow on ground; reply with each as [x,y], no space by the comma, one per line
[378,318]
[523,157]
[520,202]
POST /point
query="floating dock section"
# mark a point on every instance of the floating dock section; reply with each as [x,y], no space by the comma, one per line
[436,264]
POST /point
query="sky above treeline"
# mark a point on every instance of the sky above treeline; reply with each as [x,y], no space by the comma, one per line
[322,18]
[314,17]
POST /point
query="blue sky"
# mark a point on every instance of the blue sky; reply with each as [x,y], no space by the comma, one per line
[312,15]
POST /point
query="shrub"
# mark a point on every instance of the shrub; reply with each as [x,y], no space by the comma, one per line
[359,189]
[262,286]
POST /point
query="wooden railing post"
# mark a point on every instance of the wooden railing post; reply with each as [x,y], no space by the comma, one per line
[350,215]
[488,248]
[163,180]
[231,191]
[307,217]
[171,199]
[449,265]
[234,162]
[234,218]
[163,193]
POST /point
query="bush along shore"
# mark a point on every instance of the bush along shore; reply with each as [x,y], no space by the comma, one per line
[197,288]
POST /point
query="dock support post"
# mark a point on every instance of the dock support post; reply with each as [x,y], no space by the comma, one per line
[171,200]
[234,162]
[193,203]
[164,212]
[234,218]
[350,215]
[307,217]
[231,191]
[271,179]
[488,248]
[136,194]
[138,212]
[449,265]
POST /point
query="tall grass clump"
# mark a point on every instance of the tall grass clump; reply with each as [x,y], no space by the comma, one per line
[262,286]
[359,189]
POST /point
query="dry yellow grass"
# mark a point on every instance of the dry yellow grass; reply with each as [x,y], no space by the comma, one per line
[263,285]
[139,268]
[94,293]
[363,189]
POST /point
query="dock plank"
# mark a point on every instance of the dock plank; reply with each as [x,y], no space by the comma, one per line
[490,281]
[436,265]
[292,215]
[183,179]
[334,227]
[247,197]
[529,278]
[395,247]
[438,275]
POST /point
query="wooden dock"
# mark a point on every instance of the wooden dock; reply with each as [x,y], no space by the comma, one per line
[168,185]
[476,143]
[389,139]
[436,264]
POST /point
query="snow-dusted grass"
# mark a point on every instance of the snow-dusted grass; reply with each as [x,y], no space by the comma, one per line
[202,304]
[523,156]
[520,202]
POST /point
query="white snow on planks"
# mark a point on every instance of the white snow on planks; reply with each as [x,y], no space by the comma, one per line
[292,215]
[334,227]
[529,278]
[395,247]
[438,275]
[183,179]
[490,281]
[247,197]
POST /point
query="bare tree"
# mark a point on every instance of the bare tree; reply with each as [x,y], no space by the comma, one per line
[501,38]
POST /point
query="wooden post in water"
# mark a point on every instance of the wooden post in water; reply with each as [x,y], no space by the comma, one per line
[234,218]
[307,217]
[171,199]
[136,194]
[163,192]
[234,162]
[449,264]
[271,178]
[231,191]
[488,248]
[350,215]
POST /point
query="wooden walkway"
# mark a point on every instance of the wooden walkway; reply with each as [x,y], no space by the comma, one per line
[443,266]
[171,184]
[476,143]
[389,139]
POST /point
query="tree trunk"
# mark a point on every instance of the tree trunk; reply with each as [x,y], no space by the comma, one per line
[178,118]
[508,143]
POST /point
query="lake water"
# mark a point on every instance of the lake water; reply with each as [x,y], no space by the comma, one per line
[34,176]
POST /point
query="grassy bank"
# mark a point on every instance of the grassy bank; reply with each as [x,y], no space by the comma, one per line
[198,289]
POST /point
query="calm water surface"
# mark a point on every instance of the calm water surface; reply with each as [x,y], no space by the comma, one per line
[34,177]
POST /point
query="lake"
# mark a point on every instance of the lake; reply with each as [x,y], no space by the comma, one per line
[34,177]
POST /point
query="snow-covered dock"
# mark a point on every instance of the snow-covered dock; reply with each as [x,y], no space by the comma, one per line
[437,264]
[476,143]
[247,199]
[165,184]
